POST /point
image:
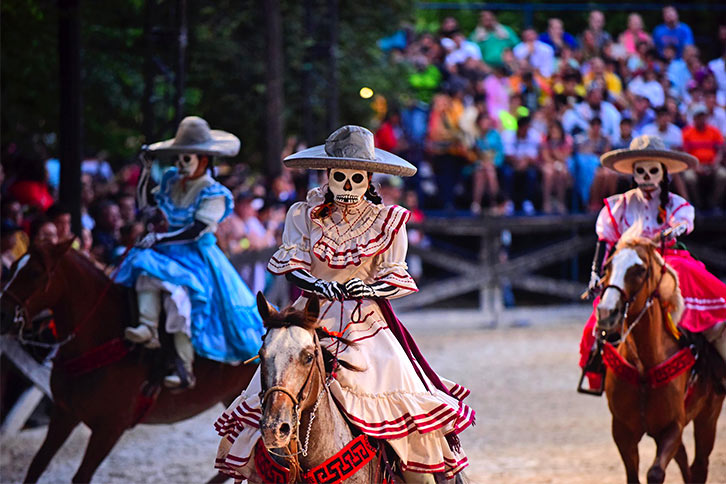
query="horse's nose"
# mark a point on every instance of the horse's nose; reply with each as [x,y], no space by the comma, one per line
[283,430]
[606,317]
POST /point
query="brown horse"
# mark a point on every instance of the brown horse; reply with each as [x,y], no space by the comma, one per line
[639,292]
[297,407]
[89,311]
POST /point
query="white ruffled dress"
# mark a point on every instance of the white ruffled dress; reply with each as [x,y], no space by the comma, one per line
[387,400]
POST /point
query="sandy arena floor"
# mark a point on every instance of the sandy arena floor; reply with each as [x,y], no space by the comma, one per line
[532,426]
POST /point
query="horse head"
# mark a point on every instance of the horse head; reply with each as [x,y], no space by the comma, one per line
[33,286]
[292,369]
[635,274]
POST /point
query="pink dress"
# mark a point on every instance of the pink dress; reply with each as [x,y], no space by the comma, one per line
[389,400]
[704,294]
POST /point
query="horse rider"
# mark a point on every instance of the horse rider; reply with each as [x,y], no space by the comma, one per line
[208,308]
[343,245]
[657,209]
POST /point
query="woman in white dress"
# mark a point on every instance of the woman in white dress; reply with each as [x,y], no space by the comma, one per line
[343,245]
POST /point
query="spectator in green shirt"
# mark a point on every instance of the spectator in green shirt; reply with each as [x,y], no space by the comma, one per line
[493,38]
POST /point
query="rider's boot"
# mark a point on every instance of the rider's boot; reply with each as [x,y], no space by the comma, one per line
[185,352]
[146,332]
[418,478]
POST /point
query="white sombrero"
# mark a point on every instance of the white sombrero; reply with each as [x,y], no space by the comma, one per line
[350,147]
[647,148]
[194,136]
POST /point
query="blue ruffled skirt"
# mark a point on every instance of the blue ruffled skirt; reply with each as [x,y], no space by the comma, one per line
[225,323]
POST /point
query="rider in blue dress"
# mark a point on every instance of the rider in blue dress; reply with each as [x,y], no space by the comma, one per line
[208,308]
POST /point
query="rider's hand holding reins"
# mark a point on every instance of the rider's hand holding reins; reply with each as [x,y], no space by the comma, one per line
[356,288]
[147,241]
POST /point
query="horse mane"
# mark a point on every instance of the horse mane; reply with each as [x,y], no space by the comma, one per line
[634,236]
[294,317]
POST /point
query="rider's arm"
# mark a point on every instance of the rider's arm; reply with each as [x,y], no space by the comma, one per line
[144,195]
[391,279]
[210,211]
[308,282]
[683,214]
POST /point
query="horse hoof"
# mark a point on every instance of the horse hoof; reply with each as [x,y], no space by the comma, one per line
[656,475]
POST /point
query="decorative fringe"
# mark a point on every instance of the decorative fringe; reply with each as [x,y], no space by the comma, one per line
[454,443]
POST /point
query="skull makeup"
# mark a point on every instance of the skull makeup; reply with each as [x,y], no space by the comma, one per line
[187,164]
[647,174]
[348,186]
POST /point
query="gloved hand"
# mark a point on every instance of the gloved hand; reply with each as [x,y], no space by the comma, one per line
[147,159]
[148,240]
[592,287]
[328,289]
[677,231]
[357,288]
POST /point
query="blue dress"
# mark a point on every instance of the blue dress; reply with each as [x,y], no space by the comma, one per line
[225,324]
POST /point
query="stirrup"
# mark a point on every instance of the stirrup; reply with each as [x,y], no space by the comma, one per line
[594,365]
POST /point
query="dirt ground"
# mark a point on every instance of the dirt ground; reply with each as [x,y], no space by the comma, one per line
[532,427]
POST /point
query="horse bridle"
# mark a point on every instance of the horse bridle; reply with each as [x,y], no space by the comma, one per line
[628,300]
[22,315]
[297,399]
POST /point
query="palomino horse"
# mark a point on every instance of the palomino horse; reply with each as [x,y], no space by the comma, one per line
[647,380]
[298,411]
[89,312]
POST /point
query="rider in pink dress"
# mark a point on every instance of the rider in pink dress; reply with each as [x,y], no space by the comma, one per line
[657,209]
[344,246]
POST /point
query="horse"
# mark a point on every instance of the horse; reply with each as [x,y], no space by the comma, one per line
[296,402]
[90,313]
[648,386]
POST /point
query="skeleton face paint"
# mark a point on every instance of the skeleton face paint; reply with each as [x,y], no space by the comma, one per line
[648,174]
[187,164]
[348,186]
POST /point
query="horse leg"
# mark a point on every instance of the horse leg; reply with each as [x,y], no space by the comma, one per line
[668,442]
[99,445]
[704,430]
[682,461]
[60,427]
[627,443]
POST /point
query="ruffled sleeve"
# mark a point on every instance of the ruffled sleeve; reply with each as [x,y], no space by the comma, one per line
[214,203]
[391,265]
[606,226]
[294,253]
[682,212]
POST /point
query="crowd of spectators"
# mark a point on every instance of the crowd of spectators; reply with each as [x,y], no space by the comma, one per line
[508,124]
[500,124]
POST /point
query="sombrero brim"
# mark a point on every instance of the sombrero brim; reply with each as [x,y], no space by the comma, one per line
[622,160]
[221,144]
[316,158]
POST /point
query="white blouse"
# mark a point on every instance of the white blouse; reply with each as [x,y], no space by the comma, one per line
[622,210]
[369,243]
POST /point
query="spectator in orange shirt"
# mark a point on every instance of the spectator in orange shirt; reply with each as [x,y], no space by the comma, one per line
[705,142]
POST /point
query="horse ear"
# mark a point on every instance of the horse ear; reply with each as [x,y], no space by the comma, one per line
[263,307]
[63,247]
[312,308]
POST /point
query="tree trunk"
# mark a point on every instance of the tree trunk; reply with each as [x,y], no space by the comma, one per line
[70,142]
[274,92]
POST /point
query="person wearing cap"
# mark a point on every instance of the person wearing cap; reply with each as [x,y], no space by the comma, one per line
[344,246]
[209,310]
[652,205]
[706,143]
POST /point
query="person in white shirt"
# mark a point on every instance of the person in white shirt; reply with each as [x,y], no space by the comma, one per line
[538,54]
[665,130]
[580,115]
[460,50]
